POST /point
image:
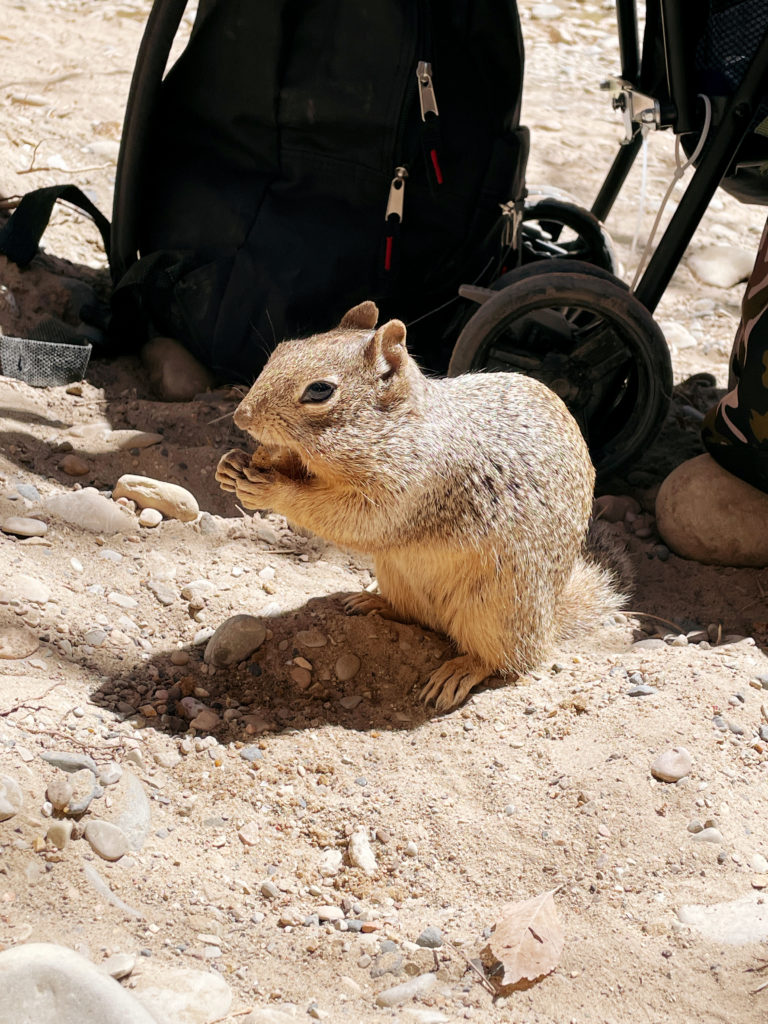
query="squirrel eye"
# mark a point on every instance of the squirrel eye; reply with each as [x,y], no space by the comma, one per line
[317,391]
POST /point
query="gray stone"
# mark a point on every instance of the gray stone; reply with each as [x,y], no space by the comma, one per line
[430,938]
[651,644]
[643,690]
[412,989]
[235,640]
[251,753]
[270,890]
[110,773]
[106,839]
[48,984]
[736,923]
[184,996]
[131,810]
[671,766]
[70,762]
[11,800]
[28,491]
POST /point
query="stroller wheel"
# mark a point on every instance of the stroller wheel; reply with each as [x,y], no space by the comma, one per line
[589,339]
[555,228]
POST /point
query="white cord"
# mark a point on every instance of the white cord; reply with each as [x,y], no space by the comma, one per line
[680,170]
[642,197]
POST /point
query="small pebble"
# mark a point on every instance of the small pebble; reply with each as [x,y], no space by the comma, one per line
[119,965]
[11,800]
[412,989]
[411,849]
[150,518]
[430,938]
[347,666]
[360,853]
[709,835]
[106,839]
[59,833]
[59,792]
[327,913]
[643,690]
[671,766]
[73,465]
[270,890]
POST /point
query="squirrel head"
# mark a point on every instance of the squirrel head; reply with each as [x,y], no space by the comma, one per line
[331,397]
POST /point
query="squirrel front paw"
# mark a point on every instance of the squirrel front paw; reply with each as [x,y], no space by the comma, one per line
[231,469]
[371,604]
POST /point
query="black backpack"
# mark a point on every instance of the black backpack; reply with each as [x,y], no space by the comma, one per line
[300,157]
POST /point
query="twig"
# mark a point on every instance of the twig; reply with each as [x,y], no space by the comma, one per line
[25,703]
[759,988]
[55,732]
[484,981]
[65,170]
[658,618]
[237,1013]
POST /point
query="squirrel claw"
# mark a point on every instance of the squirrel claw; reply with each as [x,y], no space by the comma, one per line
[230,468]
[370,604]
[450,684]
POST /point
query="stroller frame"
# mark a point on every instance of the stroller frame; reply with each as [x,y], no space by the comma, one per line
[675,108]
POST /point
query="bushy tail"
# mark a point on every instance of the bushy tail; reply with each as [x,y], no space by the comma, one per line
[599,584]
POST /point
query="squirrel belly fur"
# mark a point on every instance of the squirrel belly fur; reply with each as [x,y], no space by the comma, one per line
[473,494]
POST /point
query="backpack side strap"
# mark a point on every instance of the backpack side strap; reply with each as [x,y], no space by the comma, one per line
[20,235]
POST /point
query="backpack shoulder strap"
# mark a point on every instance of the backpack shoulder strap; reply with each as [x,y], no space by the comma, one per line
[20,235]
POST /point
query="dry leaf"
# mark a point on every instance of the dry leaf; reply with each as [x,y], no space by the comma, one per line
[528,939]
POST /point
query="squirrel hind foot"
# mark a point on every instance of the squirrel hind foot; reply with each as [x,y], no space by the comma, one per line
[371,604]
[449,685]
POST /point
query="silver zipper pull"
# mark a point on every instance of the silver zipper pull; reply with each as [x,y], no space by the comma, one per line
[397,194]
[427,98]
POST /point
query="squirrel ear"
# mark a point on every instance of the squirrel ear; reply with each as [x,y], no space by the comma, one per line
[386,349]
[362,317]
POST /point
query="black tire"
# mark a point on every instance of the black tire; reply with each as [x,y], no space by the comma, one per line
[543,236]
[588,338]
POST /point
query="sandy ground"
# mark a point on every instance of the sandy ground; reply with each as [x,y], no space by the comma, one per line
[541,786]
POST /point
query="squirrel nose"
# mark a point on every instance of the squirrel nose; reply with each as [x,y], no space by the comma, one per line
[242,417]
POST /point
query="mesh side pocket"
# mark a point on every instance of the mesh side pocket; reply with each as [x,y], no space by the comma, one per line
[43,363]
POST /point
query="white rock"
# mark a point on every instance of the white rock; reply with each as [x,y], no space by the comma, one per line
[329,913]
[91,511]
[758,863]
[329,863]
[737,923]
[106,839]
[126,439]
[398,994]
[672,765]
[119,965]
[360,853]
[676,335]
[48,984]
[721,265]
[170,499]
[150,518]
[235,640]
[17,642]
[184,996]
[21,526]
[11,800]
[25,588]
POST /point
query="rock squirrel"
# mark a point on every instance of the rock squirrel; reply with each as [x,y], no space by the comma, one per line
[473,494]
